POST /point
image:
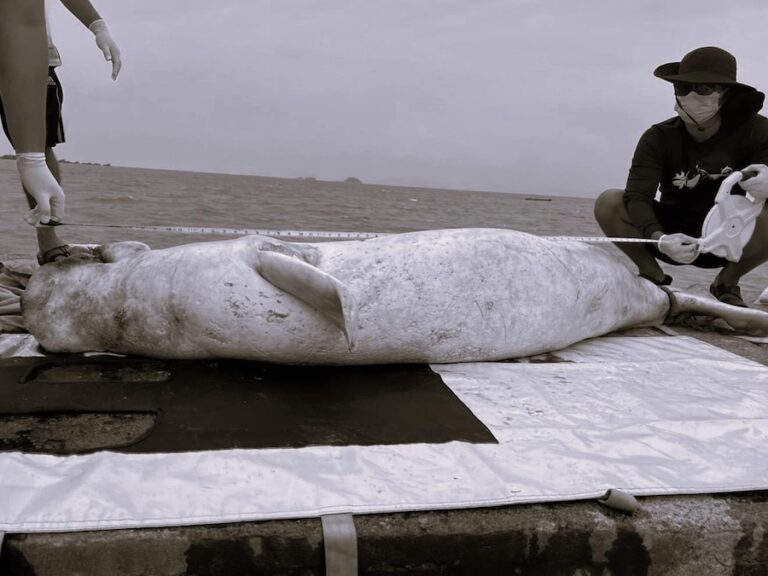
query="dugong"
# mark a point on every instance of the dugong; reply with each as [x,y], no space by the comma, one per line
[435,296]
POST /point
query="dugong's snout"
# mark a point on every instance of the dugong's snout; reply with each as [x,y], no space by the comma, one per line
[37,292]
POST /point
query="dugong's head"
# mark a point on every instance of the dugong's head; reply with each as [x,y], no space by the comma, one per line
[80,256]
[63,285]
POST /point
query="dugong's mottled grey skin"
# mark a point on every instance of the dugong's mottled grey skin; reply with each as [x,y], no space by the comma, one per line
[435,296]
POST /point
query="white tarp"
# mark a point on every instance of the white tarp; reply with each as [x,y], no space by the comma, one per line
[647,415]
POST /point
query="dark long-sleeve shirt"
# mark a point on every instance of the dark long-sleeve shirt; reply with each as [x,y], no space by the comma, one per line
[688,173]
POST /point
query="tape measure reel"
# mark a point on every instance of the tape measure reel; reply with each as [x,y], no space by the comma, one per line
[730,223]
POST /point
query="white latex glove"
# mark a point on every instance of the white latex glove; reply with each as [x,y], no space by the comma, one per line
[42,186]
[680,247]
[757,185]
[107,45]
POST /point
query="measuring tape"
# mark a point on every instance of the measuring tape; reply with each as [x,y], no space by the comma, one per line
[306,234]
[237,231]
[600,239]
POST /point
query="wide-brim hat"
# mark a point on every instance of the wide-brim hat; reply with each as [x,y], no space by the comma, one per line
[707,65]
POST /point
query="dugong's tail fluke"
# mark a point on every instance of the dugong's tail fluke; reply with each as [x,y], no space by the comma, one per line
[314,287]
[744,320]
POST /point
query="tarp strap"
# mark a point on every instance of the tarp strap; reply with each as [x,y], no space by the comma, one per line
[340,540]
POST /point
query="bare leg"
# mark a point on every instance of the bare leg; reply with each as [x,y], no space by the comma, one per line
[613,219]
[23,71]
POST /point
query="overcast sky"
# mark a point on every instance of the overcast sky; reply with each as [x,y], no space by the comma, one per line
[529,96]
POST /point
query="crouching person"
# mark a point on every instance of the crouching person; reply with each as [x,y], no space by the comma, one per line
[717,130]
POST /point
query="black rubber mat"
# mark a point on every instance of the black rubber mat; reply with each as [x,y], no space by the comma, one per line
[211,405]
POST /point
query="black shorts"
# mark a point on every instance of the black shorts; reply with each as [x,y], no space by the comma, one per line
[54,127]
[674,219]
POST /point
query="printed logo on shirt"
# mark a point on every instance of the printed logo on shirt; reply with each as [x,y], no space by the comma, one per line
[684,180]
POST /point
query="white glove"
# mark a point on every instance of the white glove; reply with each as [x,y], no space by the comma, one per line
[757,185]
[107,45]
[42,186]
[680,247]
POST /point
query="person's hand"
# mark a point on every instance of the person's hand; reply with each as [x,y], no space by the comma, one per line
[756,185]
[42,186]
[107,45]
[680,247]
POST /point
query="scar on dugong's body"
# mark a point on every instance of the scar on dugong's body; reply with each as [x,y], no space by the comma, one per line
[435,296]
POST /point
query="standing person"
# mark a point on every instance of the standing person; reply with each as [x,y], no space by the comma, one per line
[22,25]
[717,130]
[23,71]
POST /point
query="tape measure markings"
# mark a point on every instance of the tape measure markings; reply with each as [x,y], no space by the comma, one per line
[335,235]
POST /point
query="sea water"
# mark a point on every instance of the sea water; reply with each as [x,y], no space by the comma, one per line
[142,197]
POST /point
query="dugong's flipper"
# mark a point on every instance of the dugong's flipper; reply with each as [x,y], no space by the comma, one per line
[747,321]
[313,286]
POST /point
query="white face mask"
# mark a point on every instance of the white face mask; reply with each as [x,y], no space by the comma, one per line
[696,109]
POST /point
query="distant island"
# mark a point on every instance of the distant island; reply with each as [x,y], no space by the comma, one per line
[61,161]
[350,180]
